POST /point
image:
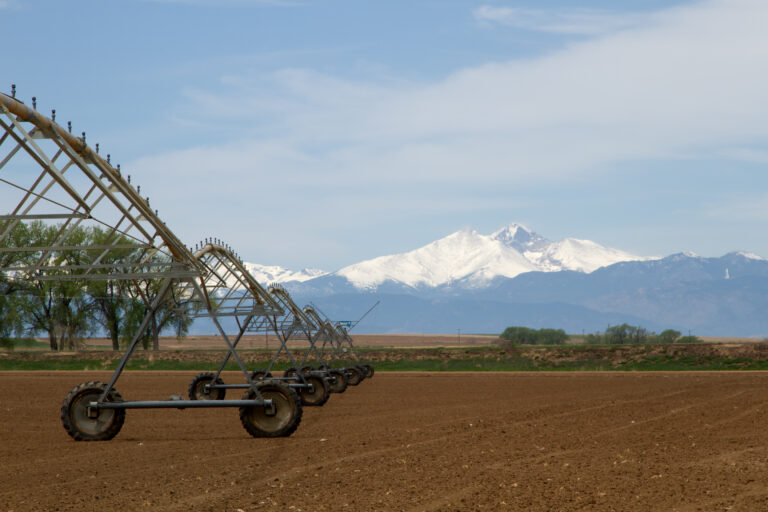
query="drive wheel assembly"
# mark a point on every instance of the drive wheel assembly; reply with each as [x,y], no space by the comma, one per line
[355,375]
[321,390]
[260,375]
[84,423]
[277,420]
[368,370]
[340,381]
[197,389]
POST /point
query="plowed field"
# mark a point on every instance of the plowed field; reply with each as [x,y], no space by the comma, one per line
[463,441]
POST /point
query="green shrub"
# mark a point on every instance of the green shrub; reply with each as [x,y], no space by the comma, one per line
[526,336]
[668,336]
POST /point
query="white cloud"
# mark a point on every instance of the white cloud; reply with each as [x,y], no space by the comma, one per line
[693,80]
[688,81]
[569,21]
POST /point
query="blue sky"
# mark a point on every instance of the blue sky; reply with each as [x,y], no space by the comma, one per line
[320,133]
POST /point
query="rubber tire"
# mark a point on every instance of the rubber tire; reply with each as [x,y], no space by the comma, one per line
[341,383]
[290,372]
[368,370]
[197,392]
[260,375]
[283,423]
[307,369]
[321,393]
[82,428]
[355,375]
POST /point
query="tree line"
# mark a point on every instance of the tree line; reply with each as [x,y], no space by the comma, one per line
[625,333]
[526,336]
[615,334]
[67,311]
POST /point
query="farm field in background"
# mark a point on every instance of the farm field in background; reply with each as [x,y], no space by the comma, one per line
[408,441]
[485,357]
[361,340]
[211,342]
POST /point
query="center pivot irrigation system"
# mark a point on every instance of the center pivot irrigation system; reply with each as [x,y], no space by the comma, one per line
[55,183]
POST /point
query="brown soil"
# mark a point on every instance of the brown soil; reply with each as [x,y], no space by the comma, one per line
[495,441]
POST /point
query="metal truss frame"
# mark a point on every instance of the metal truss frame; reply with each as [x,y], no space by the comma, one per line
[334,338]
[136,243]
[72,184]
[287,322]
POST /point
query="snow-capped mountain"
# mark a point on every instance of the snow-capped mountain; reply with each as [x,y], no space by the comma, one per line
[749,255]
[269,274]
[466,258]
[568,254]
[465,254]
[475,259]
[484,283]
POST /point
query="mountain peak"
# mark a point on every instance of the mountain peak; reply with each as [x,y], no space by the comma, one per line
[520,238]
[467,259]
[266,274]
[746,255]
[462,233]
[512,232]
[472,259]
[462,255]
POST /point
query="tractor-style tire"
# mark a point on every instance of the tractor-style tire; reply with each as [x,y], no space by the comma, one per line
[368,371]
[81,425]
[197,389]
[279,420]
[320,393]
[355,375]
[340,381]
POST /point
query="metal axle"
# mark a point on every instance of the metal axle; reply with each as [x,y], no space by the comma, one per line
[287,381]
[180,404]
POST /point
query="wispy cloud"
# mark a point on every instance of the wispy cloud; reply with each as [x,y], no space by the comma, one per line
[663,89]
[688,81]
[569,21]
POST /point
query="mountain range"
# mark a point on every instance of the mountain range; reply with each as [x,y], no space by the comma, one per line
[483,283]
[465,257]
